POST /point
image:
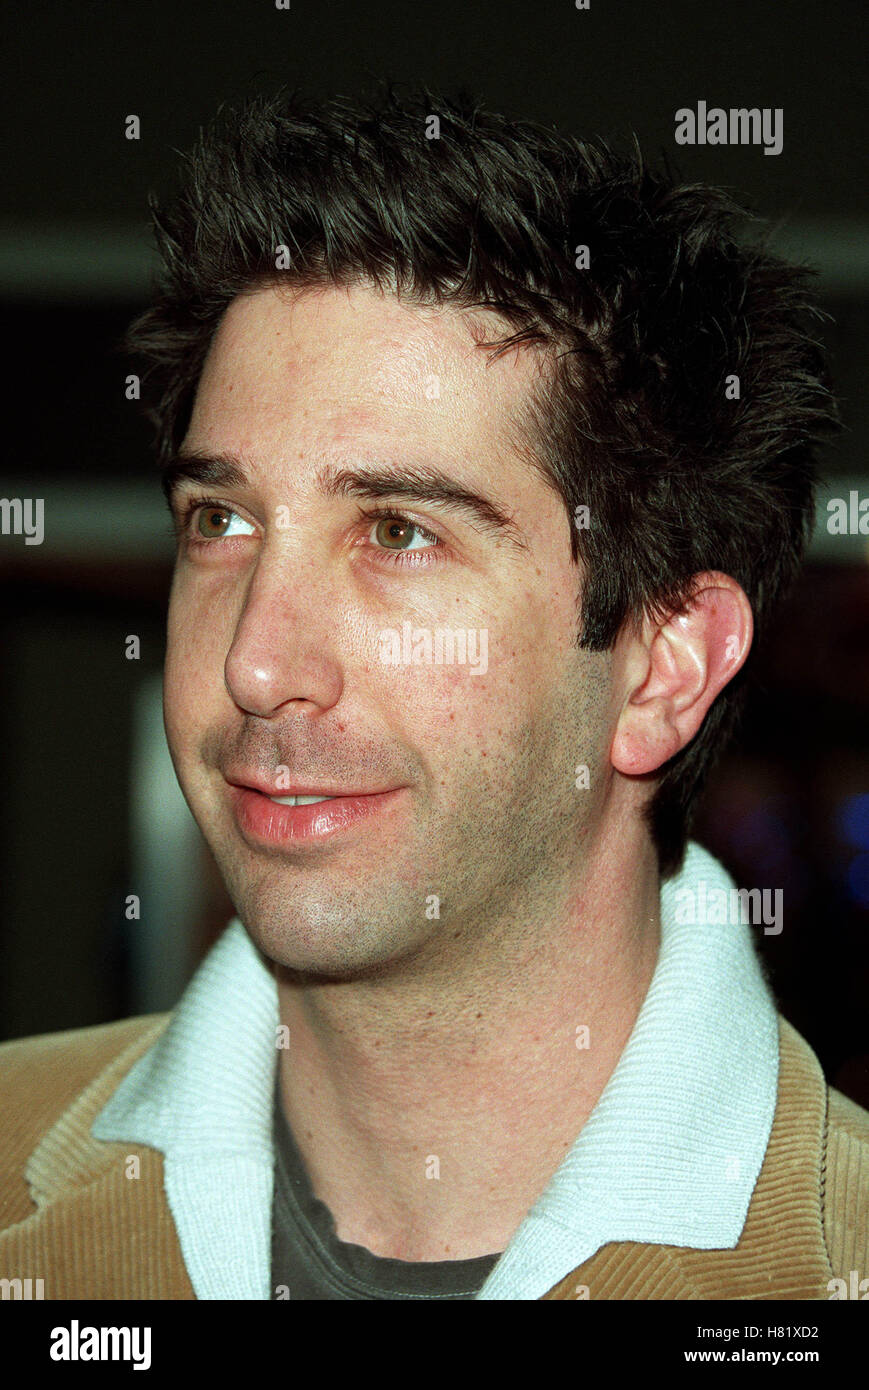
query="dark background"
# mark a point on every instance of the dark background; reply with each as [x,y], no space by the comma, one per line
[789,807]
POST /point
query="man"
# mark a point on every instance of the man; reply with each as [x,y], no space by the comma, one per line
[489,454]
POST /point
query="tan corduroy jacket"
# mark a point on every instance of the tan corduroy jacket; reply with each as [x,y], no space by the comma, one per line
[70,1216]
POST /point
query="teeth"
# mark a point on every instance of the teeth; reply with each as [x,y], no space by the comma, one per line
[299,800]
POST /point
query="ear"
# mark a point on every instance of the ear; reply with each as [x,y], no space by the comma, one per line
[673,669]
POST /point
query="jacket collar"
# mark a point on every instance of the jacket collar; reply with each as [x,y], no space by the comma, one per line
[672,1151]
[669,1156]
[203,1096]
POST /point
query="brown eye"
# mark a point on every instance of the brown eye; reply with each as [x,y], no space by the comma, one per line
[212,522]
[394,533]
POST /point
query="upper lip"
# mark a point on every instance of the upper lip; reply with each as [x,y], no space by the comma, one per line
[257,784]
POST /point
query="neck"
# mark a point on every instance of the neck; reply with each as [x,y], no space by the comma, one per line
[433,1104]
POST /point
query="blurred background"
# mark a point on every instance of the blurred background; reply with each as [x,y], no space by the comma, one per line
[91,811]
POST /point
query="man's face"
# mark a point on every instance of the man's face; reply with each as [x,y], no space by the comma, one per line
[281,673]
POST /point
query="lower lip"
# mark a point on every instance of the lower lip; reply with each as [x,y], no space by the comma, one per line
[267,822]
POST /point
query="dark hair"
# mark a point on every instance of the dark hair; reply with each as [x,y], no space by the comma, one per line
[631,419]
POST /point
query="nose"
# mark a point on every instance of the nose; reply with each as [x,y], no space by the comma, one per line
[282,651]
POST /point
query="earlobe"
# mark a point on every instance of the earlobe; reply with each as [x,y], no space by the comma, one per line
[640,749]
[674,670]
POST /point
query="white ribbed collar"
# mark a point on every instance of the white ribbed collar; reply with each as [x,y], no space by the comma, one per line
[670,1154]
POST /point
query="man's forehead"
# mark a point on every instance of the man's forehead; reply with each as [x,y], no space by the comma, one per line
[371,344]
[346,374]
[349,392]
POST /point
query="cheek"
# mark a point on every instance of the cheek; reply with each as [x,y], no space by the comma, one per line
[195,657]
[180,699]
[200,622]
[465,709]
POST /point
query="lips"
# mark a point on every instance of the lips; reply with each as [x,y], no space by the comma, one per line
[253,782]
[300,800]
[264,821]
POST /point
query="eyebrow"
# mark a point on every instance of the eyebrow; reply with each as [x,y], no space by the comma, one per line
[208,470]
[423,483]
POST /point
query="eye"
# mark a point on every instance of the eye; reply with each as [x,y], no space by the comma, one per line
[217,522]
[214,522]
[398,533]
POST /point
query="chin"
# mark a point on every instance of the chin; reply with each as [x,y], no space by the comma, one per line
[322,944]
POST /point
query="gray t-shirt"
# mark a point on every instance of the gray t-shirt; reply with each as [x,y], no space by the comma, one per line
[309,1261]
